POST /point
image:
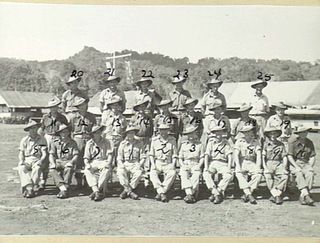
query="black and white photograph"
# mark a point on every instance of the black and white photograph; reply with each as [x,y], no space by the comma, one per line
[159,120]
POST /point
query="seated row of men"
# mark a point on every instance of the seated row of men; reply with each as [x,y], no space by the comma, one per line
[246,159]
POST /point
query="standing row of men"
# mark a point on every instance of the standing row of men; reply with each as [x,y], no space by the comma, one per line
[161,135]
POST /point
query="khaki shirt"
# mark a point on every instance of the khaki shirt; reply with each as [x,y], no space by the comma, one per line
[69,97]
[64,150]
[33,147]
[274,150]
[284,124]
[50,124]
[247,151]
[210,98]
[191,151]
[107,95]
[163,149]
[97,150]
[301,150]
[131,151]
[218,150]
[179,99]
[260,105]
[82,124]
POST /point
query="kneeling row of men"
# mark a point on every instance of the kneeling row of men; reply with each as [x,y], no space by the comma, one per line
[250,159]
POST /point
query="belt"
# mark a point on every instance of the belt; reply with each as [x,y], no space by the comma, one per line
[162,161]
[219,160]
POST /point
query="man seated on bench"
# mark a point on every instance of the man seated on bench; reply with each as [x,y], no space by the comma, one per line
[33,151]
[63,155]
[98,163]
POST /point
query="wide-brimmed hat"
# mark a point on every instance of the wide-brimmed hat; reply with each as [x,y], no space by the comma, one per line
[245,107]
[165,102]
[215,105]
[179,79]
[301,128]
[191,101]
[96,129]
[139,103]
[131,128]
[269,129]
[31,123]
[246,128]
[145,79]
[55,101]
[214,81]
[114,100]
[280,105]
[73,78]
[62,127]
[217,129]
[112,78]
[259,82]
[163,126]
[190,129]
[79,101]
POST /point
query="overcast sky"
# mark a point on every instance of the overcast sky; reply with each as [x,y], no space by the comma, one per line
[47,31]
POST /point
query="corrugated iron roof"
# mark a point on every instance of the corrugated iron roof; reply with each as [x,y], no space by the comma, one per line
[19,99]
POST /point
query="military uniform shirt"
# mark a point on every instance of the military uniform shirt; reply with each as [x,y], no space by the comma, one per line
[82,124]
[210,98]
[97,150]
[131,151]
[218,150]
[274,150]
[284,124]
[191,151]
[247,151]
[50,124]
[260,105]
[115,125]
[107,95]
[144,123]
[301,150]
[162,149]
[179,99]
[69,97]
[31,147]
[64,150]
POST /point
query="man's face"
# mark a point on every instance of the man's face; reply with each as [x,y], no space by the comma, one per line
[259,89]
[192,136]
[164,132]
[273,135]
[279,111]
[164,108]
[178,86]
[190,107]
[214,87]
[64,134]
[115,107]
[244,114]
[83,107]
[33,131]
[249,134]
[144,85]
[113,85]
[217,111]
[141,108]
[54,109]
[73,85]
[130,135]
[217,135]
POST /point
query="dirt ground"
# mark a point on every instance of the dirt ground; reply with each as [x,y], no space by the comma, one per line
[46,215]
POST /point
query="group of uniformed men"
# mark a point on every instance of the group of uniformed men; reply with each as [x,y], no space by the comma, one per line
[160,135]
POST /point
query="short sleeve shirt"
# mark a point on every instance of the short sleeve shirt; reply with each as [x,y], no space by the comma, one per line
[50,124]
[64,150]
[82,124]
[260,105]
[97,150]
[32,147]
[69,97]
[191,151]
[179,99]
[218,150]
[301,150]
[107,95]
[131,151]
[274,150]
[163,149]
[210,98]
[247,151]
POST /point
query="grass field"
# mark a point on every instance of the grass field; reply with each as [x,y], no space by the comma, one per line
[46,215]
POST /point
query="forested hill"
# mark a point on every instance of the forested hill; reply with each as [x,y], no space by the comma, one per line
[49,76]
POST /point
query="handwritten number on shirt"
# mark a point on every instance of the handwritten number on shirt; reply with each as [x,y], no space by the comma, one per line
[36,149]
[219,150]
[193,148]
[224,123]
[97,153]
[302,151]
[117,121]
[163,147]
[286,123]
[276,152]
[251,149]
[82,123]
